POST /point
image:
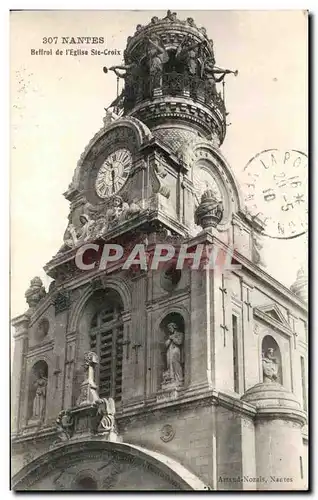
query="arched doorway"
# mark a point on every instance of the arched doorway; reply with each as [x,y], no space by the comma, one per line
[100,465]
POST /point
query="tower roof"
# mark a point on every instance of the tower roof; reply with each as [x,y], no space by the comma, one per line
[170,75]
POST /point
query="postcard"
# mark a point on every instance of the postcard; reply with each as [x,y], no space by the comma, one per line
[159,241]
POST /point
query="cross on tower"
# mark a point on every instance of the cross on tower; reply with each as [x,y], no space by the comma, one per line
[248,304]
[223,325]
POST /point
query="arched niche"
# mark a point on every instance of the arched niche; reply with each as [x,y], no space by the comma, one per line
[101,329]
[37,394]
[271,360]
[172,350]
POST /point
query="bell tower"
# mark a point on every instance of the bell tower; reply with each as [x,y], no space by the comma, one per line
[171,362]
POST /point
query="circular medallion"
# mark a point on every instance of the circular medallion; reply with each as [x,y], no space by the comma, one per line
[275,191]
[167,433]
[113,173]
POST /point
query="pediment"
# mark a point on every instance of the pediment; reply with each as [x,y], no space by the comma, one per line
[271,314]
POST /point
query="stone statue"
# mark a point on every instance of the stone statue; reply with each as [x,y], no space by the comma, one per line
[256,251]
[105,419]
[35,293]
[209,72]
[74,236]
[190,22]
[157,57]
[70,237]
[187,54]
[64,425]
[117,211]
[174,355]
[209,213]
[100,226]
[131,73]
[171,16]
[40,397]
[86,232]
[270,366]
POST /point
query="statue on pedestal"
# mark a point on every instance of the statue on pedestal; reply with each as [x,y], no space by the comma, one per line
[174,356]
[38,409]
[270,366]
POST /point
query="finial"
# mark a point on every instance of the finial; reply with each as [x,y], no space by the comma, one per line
[35,293]
[300,286]
[209,213]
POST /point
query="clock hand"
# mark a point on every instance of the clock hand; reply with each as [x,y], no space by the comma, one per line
[113,180]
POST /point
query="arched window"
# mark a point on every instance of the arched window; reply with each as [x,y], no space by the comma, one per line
[106,339]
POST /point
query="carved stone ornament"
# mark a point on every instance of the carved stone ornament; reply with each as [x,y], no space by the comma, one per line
[209,213]
[167,433]
[65,425]
[105,419]
[88,393]
[35,293]
[62,302]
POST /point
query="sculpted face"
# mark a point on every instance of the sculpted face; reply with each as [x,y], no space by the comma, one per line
[171,327]
[117,203]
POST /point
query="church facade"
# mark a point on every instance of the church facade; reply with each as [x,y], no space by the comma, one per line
[168,378]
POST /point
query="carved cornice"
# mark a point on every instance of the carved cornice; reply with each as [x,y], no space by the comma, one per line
[200,115]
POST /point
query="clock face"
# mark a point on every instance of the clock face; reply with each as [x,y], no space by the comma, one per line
[113,173]
[275,191]
[202,181]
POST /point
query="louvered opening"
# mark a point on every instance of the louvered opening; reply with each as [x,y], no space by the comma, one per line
[106,337]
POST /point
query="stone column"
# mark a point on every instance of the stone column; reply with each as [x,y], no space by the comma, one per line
[20,324]
[278,438]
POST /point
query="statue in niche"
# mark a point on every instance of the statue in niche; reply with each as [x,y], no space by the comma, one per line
[35,293]
[174,355]
[157,57]
[39,401]
[270,366]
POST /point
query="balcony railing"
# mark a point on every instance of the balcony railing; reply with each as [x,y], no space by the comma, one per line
[176,85]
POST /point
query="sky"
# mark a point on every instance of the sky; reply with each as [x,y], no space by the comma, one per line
[57,105]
